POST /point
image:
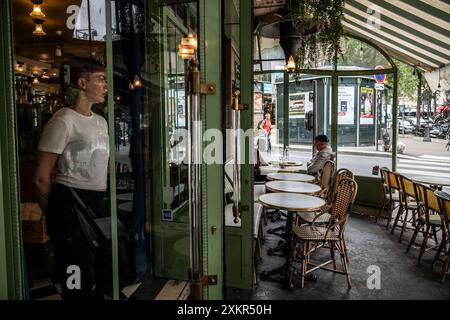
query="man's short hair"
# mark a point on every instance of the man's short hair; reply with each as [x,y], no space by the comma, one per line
[82,65]
[78,67]
[321,138]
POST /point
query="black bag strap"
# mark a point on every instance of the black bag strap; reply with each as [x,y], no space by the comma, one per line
[80,202]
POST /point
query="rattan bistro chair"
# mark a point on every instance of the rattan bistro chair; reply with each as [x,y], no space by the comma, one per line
[326,178]
[323,216]
[444,203]
[313,237]
[391,198]
[429,222]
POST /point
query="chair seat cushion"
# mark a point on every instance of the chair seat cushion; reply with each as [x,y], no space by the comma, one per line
[435,220]
[314,233]
[309,217]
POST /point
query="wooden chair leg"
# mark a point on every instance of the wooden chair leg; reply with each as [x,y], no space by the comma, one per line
[445,267]
[264,214]
[303,265]
[389,216]
[414,236]
[331,244]
[345,265]
[397,218]
[424,244]
[405,221]
[385,200]
[439,250]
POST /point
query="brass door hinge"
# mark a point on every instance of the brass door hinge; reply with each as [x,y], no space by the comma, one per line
[208,88]
[209,280]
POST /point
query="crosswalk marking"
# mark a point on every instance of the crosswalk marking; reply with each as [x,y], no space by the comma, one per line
[446,159]
[425,165]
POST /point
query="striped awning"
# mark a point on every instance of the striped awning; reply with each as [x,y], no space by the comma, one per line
[414,31]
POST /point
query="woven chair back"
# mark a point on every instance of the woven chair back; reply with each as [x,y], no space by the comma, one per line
[444,202]
[340,174]
[327,174]
[343,201]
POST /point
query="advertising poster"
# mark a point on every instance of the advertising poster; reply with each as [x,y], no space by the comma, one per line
[346,105]
[299,104]
[367,108]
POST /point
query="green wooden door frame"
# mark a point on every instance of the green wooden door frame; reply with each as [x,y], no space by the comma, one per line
[210,49]
[11,275]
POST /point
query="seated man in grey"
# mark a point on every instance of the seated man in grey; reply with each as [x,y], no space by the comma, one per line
[323,153]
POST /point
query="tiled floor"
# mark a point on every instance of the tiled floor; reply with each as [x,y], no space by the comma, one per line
[369,244]
[45,289]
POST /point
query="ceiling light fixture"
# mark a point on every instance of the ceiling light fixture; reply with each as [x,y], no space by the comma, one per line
[58,51]
[45,74]
[39,31]
[137,83]
[37,10]
[187,47]
[290,66]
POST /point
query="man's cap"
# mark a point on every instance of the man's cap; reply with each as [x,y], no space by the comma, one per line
[321,138]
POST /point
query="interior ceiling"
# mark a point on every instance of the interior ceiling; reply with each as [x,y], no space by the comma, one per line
[28,45]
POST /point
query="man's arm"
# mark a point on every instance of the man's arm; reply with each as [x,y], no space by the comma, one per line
[45,163]
[317,163]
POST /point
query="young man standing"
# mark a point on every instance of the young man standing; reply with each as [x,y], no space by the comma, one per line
[75,145]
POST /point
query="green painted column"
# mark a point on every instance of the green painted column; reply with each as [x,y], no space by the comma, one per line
[394,119]
[11,268]
[334,112]
[285,110]
[212,174]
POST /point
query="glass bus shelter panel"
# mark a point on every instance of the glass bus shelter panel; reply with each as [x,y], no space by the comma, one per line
[364,125]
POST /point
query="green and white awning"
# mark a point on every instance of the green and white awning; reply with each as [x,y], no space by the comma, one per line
[414,31]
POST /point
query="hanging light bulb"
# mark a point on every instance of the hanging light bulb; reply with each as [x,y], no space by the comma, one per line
[37,10]
[58,51]
[137,83]
[290,66]
[45,74]
[54,72]
[35,80]
[38,31]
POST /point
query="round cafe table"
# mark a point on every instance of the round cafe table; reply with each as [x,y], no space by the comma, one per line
[433,181]
[293,187]
[292,202]
[272,169]
[291,177]
[295,163]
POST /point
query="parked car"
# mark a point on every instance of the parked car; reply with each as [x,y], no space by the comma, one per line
[405,127]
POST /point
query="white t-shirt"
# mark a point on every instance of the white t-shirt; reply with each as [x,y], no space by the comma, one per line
[83,145]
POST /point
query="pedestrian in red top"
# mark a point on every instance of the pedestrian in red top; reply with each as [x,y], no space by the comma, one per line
[266,126]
